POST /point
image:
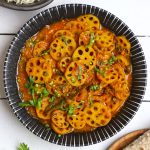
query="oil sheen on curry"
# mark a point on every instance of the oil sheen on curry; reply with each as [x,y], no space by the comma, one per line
[75,75]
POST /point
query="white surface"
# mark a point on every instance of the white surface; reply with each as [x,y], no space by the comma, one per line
[135,13]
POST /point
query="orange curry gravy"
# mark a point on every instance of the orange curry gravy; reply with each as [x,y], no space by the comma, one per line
[101,89]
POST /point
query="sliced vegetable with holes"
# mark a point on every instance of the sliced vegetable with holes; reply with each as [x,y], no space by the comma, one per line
[76,73]
[123,61]
[60,85]
[108,75]
[58,49]
[39,69]
[59,119]
[123,43]
[61,33]
[105,40]
[121,73]
[75,27]
[112,103]
[63,63]
[62,131]
[87,55]
[77,121]
[122,91]
[90,22]
[87,38]
[98,114]
[75,106]
[62,46]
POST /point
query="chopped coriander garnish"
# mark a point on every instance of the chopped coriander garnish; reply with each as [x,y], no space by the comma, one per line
[64,40]
[79,77]
[61,107]
[47,127]
[31,80]
[32,43]
[91,100]
[59,135]
[70,110]
[23,146]
[112,60]
[25,104]
[92,40]
[51,83]
[39,103]
[73,80]
[79,72]
[45,52]
[45,92]
[28,103]
[52,99]
[94,87]
[30,85]
[102,72]
[36,85]
[79,106]
[57,94]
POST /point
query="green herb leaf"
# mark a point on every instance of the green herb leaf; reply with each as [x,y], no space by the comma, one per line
[64,40]
[32,43]
[23,146]
[73,80]
[25,104]
[27,85]
[102,72]
[45,52]
[57,94]
[39,103]
[45,92]
[47,127]
[51,83]
[32,93]
[94,87]
[31,81]
[112,60]
[92,40]
[52,99]
[79,106]
[61,107]
[59,135]
[33,103]
[28,103]
[91,100]
[70,110]
[79,72]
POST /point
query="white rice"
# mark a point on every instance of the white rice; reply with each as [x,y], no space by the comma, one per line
[22,1]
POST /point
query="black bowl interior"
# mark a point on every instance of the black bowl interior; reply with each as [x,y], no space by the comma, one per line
[25,7]
[108,20]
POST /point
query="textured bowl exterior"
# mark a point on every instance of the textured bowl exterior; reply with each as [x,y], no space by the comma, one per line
[108,20]
[25,7]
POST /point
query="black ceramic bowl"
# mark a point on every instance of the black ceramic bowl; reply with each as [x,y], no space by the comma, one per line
[25,7]
[107,20]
